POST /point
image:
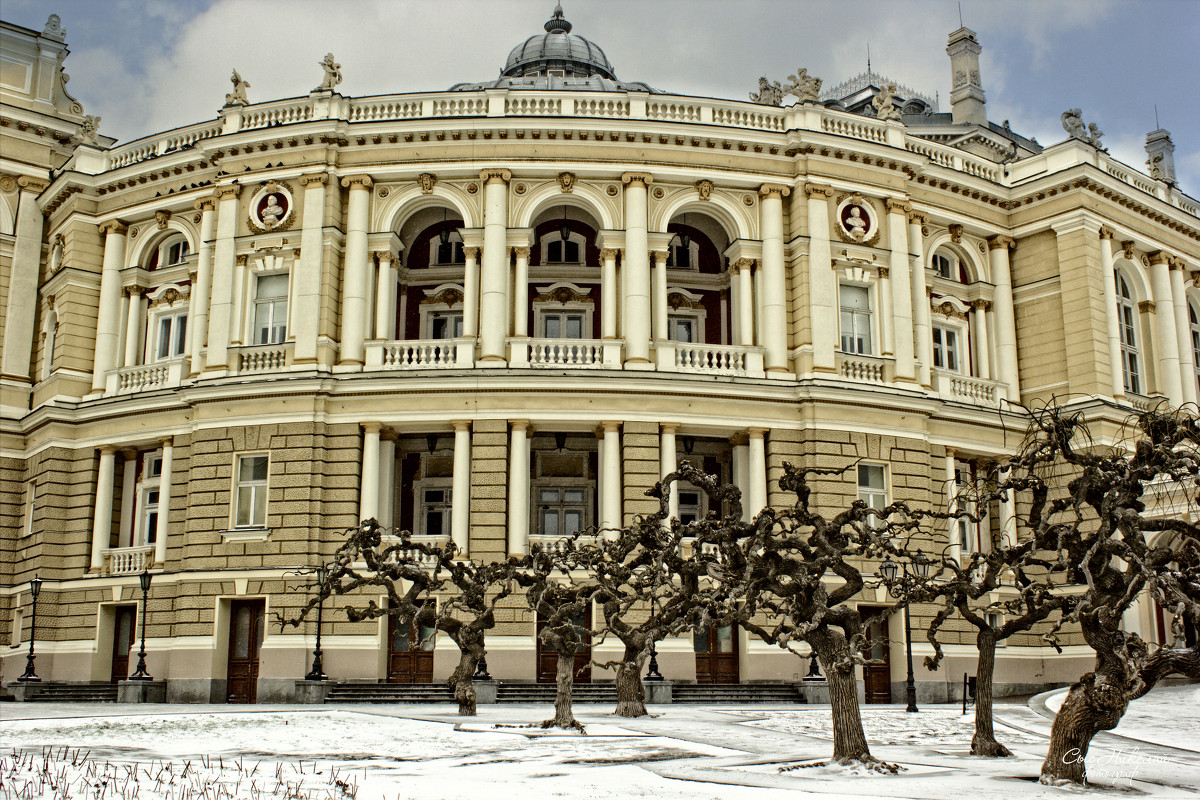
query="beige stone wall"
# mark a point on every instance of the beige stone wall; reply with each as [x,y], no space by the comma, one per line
[489,489]
[639,466]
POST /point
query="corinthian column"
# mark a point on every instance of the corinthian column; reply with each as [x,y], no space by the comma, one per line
[356,271]
[919,300]
[306,278]
[901,294]
[108,317]
[221,320]
[1164,327]
[198,307]
[822,294]
[774,278]
[636,270]
[164,502]
[493,303]
[23,280]
[102,519]
[1183,331]
[1005,316]
[470,293]
[460,489]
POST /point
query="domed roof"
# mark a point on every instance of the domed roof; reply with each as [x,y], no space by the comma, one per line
[558,49]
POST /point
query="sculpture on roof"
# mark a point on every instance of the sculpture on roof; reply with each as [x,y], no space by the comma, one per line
[1094,134]
[238,96]
[54,28]
[1156,167]
[1072,122]
[333,74]
[885,109]
[89,130]
[769,94]
[803,87]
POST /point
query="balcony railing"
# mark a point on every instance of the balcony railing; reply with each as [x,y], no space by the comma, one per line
[965,389]
[421,354]
[146,377]
[423,559]
[864,369]
[714,359]
[263,358]
[558,544]
[568,353]
[129,560]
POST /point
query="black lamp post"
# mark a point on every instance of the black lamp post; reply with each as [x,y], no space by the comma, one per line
[317,673]
[889,571]
[142,674]
[652,673]
[35,588]
[481,670]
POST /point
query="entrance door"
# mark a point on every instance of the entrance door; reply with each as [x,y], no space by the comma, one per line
[716,654]
[877,676]
[410,651]
[547,657]
[245,640]
[124,626]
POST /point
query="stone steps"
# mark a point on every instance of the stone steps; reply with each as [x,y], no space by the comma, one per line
[366,692]
[734,693]
[73,693]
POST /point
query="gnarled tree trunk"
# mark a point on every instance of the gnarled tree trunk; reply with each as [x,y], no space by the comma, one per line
[461,681]
[849,739]
[564,683]
[1092,704]
[984,742]
[631,696]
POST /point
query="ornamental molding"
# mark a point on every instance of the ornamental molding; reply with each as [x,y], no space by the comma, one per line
[1146,306]
[704,189]
[644,178]
[8,184]
[951,308]
[563,293]
[162,217]
[363,181]
[1160,257]
[1106,232]
[813,190]
[566,182]
[168,295]
[489,175]
[446,294]
[681,298]
[768,189]
[35,185]
[1127,249]
[956,233]
[272,208]
[427,180]
[113,226]
[1001,243]
[857,220]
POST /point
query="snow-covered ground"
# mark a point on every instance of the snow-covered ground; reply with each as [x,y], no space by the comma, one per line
[1168,716]
[392,752]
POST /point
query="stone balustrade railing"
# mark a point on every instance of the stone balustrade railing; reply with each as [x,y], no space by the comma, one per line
[420,354]
[129,560]
[146,377]
[864,369]
[423,559]
[263,358]
[569,353]
[966,389]
[558,544]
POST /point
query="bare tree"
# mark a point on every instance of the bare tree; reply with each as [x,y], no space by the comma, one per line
[426,584]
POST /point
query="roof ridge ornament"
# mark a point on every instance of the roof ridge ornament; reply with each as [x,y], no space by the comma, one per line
[557,23]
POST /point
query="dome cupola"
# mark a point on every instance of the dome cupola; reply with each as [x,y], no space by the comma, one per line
[558,52]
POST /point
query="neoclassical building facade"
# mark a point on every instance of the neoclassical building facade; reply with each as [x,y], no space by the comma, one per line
[498,314]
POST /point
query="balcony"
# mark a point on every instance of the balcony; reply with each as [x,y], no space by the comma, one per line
[565,353]
[147,377]
[965,389]
[257,359]
[420,354]
[711,359]
[427,561]
[128,560]
[864,369]
[558,544]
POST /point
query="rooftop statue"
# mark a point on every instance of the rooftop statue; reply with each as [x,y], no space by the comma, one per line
[803,87]
[1094,134]
[238,96]
[768,94]
[885,109]
[89,130]
[1072,122]
[54,28]
[333,74]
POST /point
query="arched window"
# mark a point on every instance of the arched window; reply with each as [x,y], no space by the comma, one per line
[1127,324]
[1194,327]
[172,250]
[948,265]
[562,251]
[449,252]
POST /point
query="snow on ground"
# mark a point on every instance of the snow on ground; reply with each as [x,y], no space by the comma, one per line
[1145,718]
[395,752]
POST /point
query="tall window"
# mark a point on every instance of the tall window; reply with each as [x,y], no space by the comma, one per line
[562,252]
[30,503]
[1127,322]
[251,495]
[680,257]
[563,324]
[945,348]
[435,511]
[855,319]
[171,337]
[270,309]
[561,512]
[446,325]
[683,328]
[872,487]
[147,500]
[171,251]
[945,264]
[1194,326]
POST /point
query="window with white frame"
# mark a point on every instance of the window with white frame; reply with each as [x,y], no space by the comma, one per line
[250,495]
[447,253]
[50,332]
[684,328]
[171,251]
[563,324]
[946,264]
[855,306]
[691,503]
[556,250]
[28,508]
[1194,327]
[946,341]
[680,257]
[1127,324]
[434,509]
[967,534]
[148,488]
[561,511]
[169,338]
[270,309]
[872,487]
[445,324]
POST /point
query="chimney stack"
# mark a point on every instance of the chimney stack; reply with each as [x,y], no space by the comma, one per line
[966,96]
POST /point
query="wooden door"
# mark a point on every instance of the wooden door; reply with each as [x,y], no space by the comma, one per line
[877,676]
[124,626]
[410,651]
[547,657]
[245,640]
[716,654]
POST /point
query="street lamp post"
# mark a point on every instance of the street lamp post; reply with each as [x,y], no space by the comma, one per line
[142,674]
[652,673]
[317,673]
[889,571]
[35,588]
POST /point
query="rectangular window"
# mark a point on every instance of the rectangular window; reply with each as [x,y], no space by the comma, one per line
[172,335]
[855,320]
[435,511]
[689,505]
[30,503]
[446,325]
[177,252]
[560,252]
[563,325]
[682,329]
[945,348]
[943,266]
[680,257]
[270,309]
[872,487]
[251,495]
[450,253]
[561,512]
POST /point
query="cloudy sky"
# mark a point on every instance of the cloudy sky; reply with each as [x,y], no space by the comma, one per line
[149,65]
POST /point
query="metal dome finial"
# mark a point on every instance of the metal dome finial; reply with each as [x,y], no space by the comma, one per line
[557,24]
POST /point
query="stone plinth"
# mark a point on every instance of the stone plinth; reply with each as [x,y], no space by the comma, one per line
[141,691]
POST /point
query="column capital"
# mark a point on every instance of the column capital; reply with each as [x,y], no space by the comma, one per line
[108,449]
[610,425]
[1001,242]
[981,305]
[167,441]
[205,204]
[471,252]
[521,252]
[495,175]
[133,291]
[519,424]
[659,257]
[739,440]
[668,427]
[1106,232]
[461,424]
[895,206]
[357,181]
[756,433]
[813,190]
[383,255]
[113,226]
[741,264]
[371,427]
[31,184]
[321,178]
[644,178]
[1180,264]
[884,272]
[768,189]
[609,252]
[1159,257]
[917,218]
[1146,306]
[229,189]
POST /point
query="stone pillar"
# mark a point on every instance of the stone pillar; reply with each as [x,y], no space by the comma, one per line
[1183,331]
[385,298]
[1166,341]
[888,327]
[745,292]
[306,271]
[355,271]
[901,292]
[774,278]
[521,293]
[368,503]
[919,301]
[220,317]
[102,519]
[610,506]
[1005,319]
[164,503]
[608,293]
[1008,514]
[126,517]
[21,308]
[982,348]
[636,270]
[134,320]
[659,316]
[518,487]
[387,478]
[460,491]
[668,464]
[1111,319]
[471,292]
[202,286]
[735,314]
[741,469]
[108,314]
[493,305]
[757,469]
[955,550]
[822,294]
